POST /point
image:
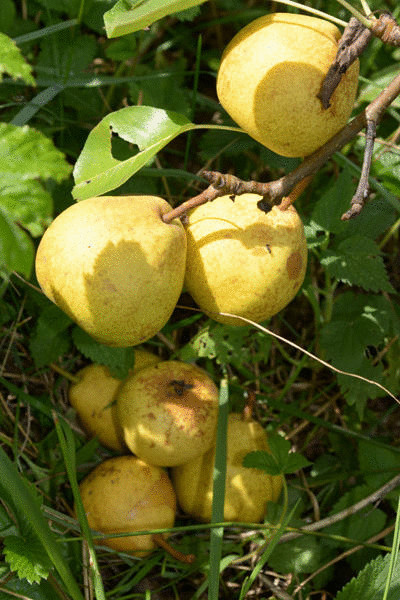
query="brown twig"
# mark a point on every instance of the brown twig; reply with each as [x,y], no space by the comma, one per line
[362,191]
[351,510]
[386,29]
[352,44]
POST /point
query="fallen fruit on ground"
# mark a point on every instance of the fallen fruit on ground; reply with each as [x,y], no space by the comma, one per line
[243,261]
[93,397]
[124,494]
[114,266]
[269,78]
[168,412]
[247,490]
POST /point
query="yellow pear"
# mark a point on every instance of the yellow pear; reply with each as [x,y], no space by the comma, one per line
[269,78]
[114,266]
[124,494]
[168,413]
[93,397]
[247,490]
[243,261]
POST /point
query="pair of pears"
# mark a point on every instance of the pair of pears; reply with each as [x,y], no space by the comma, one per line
[165,412]
[117,269]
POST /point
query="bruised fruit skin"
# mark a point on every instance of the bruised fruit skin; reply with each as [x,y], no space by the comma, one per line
[243,261]
[125,494]
[247,490]
[168,413]
[94,399]
[269,78]
[114,266]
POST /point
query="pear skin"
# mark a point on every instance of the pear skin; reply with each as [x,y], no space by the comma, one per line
[168,413]
[243,261]
[114,266]
[94,398]
[124,494]
[247,490]
[269,78]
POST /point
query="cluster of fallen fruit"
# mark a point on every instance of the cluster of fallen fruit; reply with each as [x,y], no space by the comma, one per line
[165,413]
[117,266]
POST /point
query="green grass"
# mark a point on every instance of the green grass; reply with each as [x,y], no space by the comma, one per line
[347,314]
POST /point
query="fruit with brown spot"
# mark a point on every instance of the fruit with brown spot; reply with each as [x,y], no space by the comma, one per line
[168,413]
[243,261]
[124,494]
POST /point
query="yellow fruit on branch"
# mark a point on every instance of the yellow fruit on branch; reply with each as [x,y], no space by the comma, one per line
[243,261]
[114,266]
[124,494]
[247,490]
[94,397]
[269,78]
[168,413]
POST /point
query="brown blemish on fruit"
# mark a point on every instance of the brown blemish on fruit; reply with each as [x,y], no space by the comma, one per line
[294,264]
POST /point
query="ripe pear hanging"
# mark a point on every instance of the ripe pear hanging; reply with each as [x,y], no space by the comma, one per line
[114,266]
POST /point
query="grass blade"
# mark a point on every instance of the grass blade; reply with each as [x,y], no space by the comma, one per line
[15,487]
[216,534]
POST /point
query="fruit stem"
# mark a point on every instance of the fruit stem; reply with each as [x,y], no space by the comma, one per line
[297,190]
[162,542]
[208,194]
[64,373]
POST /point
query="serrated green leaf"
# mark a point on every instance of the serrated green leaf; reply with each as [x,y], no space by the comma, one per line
[131,15]
[16,248]
[50,339]
[370,582]
[20,145]
[97,171]
[27,200]
[20,588]
[118,360]
[12,62]
[27,557]
[279,460]
[357,322]
[357,261]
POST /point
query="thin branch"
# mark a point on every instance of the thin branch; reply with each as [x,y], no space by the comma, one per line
[375,496]
[362,191]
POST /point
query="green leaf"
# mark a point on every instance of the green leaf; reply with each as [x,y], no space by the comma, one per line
[50,339]
[27,558]
[358,321]
[28,201]
[28,154]
[131,15]
[333,203]
[118,360]
[370,582]
[279,460]
[97,171]
[302,555]
[16,248]
[378,465]
[357,261]
[12,62]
